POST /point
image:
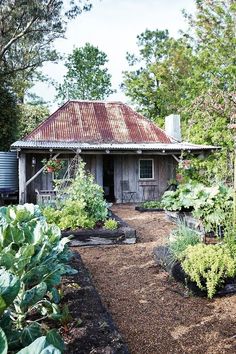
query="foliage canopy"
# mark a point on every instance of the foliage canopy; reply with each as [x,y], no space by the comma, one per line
[87,78]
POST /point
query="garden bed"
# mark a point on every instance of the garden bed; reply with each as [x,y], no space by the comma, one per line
[142,209]
[92,329]
[100,236]
[187,218]
[164,259]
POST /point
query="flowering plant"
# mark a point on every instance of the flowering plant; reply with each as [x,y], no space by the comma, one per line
[52,165]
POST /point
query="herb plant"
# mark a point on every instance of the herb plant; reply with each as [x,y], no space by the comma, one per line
[209,266]
[180,239]
[111,224]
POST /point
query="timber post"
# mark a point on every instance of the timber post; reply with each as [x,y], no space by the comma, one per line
[22,178]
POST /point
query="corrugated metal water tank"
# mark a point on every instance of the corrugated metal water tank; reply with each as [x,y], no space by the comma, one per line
[8,172]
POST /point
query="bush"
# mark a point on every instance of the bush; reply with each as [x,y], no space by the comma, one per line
[84,189]
[208,266]
[72,215]
[180,239]
[209,204]
[82,204]
[111,224]
[33,258]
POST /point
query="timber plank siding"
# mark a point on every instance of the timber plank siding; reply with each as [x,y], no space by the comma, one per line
[126,168]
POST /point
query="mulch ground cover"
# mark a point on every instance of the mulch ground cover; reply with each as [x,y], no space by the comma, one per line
[155,314]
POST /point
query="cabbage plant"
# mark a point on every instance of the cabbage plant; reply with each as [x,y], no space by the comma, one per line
[33,258]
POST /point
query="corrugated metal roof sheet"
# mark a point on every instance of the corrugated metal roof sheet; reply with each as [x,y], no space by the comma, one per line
[98,122]
[111,146]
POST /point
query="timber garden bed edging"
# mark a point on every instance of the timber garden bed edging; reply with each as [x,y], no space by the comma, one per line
[92,329]
[187,218]
[96,237]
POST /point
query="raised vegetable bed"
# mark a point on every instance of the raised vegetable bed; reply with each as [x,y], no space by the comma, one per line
[91,329]
[186,218]
[142,209]
[100,236]
[164,259]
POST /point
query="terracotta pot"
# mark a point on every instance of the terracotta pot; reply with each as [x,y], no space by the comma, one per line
[50,169]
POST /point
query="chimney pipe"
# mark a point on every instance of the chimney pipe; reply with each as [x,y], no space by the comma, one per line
[172,126]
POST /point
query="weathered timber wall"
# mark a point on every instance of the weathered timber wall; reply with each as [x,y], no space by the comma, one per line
[126,167]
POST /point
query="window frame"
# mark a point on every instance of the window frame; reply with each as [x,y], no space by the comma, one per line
[139,169]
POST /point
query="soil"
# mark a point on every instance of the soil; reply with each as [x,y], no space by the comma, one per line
[154,314]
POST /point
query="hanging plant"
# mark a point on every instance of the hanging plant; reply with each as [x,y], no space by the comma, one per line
[52,165]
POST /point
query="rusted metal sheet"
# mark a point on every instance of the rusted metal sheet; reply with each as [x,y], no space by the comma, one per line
[100,122]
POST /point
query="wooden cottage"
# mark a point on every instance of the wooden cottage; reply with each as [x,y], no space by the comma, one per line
[129,156]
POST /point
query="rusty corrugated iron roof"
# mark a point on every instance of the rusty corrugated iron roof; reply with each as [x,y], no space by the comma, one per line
[98,122]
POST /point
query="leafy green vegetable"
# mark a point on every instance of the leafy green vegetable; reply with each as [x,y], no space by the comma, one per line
[152,204]
[3,342]
[81,205]
[111,224]
[209,204]
[33,259]
[40,346]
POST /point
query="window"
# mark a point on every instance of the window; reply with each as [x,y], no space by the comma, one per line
[146,169]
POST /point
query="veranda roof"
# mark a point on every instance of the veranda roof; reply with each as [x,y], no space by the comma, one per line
[109,146]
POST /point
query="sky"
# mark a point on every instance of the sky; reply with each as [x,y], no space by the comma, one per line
[113,26]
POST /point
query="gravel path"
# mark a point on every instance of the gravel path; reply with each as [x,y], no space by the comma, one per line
[154,314]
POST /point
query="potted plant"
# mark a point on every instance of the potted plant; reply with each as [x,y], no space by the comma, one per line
[52,165]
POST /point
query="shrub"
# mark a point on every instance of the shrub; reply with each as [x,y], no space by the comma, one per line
[81,204]
[71,215]
[84,189]
[208,266]
[210,204]
[180,239]
[111,224]
[33,258]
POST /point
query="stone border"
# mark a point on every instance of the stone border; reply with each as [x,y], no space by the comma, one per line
[95,237]
[143,210]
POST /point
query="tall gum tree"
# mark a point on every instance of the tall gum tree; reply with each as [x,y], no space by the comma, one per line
[87,77]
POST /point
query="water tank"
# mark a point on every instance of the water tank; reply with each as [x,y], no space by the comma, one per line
[8,172]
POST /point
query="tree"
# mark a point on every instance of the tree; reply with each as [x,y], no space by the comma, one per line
[30,116]
[29,28]
[86,76]
[198,81]
[157,83]
[8,117]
